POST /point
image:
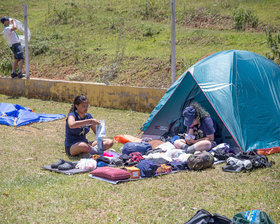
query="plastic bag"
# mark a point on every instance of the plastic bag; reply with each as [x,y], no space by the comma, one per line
[100,134]
[86,164]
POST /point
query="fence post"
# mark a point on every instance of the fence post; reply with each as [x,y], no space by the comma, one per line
[26,43]
[173,53]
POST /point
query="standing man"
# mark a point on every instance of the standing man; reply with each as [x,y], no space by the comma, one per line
[14,43]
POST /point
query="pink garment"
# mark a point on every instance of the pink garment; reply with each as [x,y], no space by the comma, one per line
[107,154]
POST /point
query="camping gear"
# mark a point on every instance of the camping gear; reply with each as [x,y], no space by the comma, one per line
[135,157]
[177,165]
[246,160]
[163,168]
[200,161]
[126,138]
[236,165]
[67,172]
[141,147]
[87,164]
[155,143]
[269,152]
[17,115]
[253,216]
[147,168]
[134,172]
[55,165]
[111,173]
[63,165]
[66,166]
[100,134]
[204,217]
[240,90]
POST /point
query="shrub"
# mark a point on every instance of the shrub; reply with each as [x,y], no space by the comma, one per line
[273,42]
[39,45]
[6,60]
[152,9]
[244,18]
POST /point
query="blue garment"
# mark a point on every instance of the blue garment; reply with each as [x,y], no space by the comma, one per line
[206,126]
[147,168]
[17,50]
[74,135]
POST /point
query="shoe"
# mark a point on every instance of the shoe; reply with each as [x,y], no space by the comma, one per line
[13,75]
[20,75]
[55,165]
[67,166]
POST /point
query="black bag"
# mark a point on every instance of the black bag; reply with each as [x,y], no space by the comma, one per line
[204,217]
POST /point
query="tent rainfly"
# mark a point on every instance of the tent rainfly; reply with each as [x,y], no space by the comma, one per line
[240,90]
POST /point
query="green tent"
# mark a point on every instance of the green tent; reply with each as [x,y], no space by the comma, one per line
[241,91]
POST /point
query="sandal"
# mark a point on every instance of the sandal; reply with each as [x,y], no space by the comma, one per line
[55,165]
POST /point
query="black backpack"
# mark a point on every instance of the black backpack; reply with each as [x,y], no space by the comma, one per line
[204,217]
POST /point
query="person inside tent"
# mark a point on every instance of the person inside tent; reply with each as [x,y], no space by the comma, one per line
[78,124]
[200,130]
[14,42]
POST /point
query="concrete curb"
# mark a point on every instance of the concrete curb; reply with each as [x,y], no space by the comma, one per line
[99,95]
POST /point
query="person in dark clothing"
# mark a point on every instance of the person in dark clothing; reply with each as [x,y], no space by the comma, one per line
[78,124]
[200,130]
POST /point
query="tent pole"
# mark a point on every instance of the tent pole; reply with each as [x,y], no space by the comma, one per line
[173,54]
[26,43]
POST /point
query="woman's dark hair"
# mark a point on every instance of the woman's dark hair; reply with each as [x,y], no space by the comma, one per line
[200,112]
[78,100]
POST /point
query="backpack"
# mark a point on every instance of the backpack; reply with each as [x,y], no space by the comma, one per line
[252,217]
[176,127]
[204,217]
[200,161]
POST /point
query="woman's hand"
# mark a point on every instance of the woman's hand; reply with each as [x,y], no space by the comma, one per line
[93,121]
[191,141]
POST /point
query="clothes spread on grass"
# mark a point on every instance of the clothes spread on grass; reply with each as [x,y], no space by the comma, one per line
[17,115]
[139,160]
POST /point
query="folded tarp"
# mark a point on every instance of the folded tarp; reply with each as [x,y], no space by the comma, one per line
[16,115]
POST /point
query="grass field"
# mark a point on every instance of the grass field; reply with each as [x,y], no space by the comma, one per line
[29,194]
[127,42]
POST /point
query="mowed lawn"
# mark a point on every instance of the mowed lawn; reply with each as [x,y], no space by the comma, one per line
[29,194]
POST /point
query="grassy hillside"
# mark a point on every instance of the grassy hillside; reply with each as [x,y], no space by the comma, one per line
[127,42]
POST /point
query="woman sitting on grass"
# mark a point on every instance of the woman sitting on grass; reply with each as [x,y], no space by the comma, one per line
[78,124]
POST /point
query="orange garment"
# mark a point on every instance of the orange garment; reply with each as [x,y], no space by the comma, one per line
[268,151]
[126,138]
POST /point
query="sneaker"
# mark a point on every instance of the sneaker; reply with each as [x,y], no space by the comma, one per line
[20,75]
[14,75]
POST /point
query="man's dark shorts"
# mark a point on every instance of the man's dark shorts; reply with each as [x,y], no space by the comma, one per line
[17,50]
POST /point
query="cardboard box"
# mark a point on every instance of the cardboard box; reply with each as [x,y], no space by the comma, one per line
[134,172]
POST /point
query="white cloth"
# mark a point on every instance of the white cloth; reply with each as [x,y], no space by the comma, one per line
[166,146]
[87,164]
[10,36]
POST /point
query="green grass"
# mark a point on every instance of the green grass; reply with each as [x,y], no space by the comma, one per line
[127,42]
[29,194]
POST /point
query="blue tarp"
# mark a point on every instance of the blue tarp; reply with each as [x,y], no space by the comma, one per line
[17,115]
